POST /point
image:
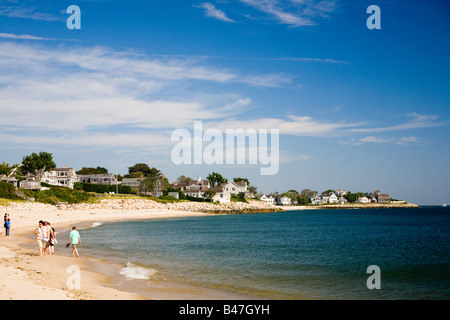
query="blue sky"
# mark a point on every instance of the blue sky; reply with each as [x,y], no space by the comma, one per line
[357,109]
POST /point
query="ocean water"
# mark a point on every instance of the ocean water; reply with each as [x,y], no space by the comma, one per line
[310,254]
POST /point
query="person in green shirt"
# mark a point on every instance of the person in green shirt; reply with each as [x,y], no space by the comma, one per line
[74,240]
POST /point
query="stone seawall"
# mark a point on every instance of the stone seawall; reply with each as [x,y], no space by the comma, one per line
[146,204]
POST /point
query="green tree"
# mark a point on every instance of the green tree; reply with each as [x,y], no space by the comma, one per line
[144,169]
[241,179]
[353,197]
[7,169]
[308,193]
[252,190]
[7,191]
[302,200]
[89,170]
[183,179]
[37,164]
[209,194]
[216,179]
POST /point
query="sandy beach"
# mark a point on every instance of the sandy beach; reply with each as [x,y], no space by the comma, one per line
[26,275]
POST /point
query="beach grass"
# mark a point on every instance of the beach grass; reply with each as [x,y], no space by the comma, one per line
[5,202]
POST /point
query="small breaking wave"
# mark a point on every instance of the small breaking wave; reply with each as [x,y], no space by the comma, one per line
[132,271]
[96,224]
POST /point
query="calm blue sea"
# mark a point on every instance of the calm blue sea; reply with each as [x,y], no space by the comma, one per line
[318,254]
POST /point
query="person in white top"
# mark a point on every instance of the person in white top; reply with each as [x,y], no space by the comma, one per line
[46,230]
[39,232]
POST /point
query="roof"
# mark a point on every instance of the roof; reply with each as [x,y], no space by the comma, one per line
[106,175]
[131,180]
[204,181]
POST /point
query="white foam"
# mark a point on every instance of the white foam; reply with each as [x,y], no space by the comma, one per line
[96,224]
[135,272]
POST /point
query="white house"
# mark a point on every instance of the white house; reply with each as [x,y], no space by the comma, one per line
[267,199]
[324,199]
[242,188]
[342,200]
[231,187]
[333,198]
[363,200]
[341,193]
[285,201]
[61,177]
[316,200]
[221,195]
[199,184]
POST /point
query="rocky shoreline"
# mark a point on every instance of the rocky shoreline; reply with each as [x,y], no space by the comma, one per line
[224,208]
[147,204]
[367,206]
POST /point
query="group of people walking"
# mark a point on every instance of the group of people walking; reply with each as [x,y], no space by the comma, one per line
[46,239]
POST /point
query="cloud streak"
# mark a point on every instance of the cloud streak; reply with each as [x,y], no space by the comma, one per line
[22,37]
[212,12]
[418,121]
[295,13]
[28,12]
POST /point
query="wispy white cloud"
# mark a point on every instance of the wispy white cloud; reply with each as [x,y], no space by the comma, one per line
[28,11]
[303,59]
[130,65]
[289,125]
[23,37]
[93,95]
[403,141]
[212,12]
[295,13]
[417,121]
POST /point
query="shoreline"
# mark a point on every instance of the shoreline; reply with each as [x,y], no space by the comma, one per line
[352,206]
[28,276]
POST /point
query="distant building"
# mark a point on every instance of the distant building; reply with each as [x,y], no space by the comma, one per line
[342,200]
[333,198]
[324,199]
[284,201]
[157,190]
[179,186]
[175,195]
[243,188]
[363,200]
[341,193]
[10,180]
[382,198]
[315,200]
[221,195]
[134,183]
[60,177]
[31,185]
[267,199]
[108,179]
